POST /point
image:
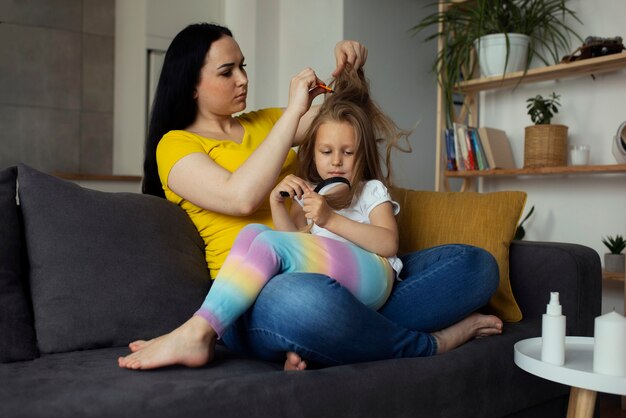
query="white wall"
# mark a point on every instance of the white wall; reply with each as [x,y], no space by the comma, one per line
[279,38]
[402,83]
[572,208]
[140,25]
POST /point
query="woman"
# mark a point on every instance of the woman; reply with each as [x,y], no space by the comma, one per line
[221,169]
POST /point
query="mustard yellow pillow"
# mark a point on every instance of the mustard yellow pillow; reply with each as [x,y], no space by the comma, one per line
[485,220]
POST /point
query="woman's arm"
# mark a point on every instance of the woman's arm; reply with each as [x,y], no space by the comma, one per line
[380,237]
[197,178]
[346,52]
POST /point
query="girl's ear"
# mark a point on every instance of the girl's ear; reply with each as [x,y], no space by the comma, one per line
[195,93]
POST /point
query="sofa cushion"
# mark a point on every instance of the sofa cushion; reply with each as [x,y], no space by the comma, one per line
[17,335]
[486,220]
[107,268]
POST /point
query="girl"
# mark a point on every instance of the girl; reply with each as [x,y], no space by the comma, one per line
[356,244]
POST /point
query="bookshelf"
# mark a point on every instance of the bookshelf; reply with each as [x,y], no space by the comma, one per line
[608,275]
[471,89]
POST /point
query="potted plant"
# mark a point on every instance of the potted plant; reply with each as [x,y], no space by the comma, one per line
[460,25]
[520,232]
[614,261]
[545,144]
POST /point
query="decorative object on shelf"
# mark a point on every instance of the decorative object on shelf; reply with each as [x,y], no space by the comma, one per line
[460,24]
[520,232]
[596,46]
[614,261]
[545,144]
[497,148]
[493,58]
[619,144]
[610,344]
[579,154]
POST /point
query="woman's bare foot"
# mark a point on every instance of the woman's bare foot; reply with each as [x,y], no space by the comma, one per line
[192,344]
[474,326]
[139,344]
[294,362]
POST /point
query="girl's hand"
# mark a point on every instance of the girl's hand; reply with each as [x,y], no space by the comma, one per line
[302,91]
[291,184]
[315,208]
[349,52]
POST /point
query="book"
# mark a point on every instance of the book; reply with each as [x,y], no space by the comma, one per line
[479,151]
[467,155]
[497,148]
[448,138]
[457,151]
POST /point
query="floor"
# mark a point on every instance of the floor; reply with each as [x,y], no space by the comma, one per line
[610,406]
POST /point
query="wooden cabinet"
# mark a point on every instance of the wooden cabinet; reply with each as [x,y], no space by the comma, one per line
[470,91]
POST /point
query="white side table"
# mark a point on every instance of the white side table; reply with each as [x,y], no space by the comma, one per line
[577,372]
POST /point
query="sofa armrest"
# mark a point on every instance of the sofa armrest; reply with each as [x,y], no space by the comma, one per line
[538,268]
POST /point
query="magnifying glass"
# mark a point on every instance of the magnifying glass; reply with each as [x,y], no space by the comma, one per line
[324,187]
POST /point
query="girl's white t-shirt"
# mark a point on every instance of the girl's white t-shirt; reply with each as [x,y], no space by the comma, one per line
[373,194]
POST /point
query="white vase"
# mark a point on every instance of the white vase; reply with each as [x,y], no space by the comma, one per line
[492,53]
[614,263]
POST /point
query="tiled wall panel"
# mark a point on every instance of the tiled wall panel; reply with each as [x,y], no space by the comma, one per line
[45,138]
[56,84]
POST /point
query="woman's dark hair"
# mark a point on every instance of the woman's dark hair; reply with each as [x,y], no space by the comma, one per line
[174,105]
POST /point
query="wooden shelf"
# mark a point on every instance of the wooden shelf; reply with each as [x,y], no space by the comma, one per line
[607,275]
[97,177]
[540,171]
[588,66]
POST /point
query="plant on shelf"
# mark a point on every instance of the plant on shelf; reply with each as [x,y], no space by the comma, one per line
[461,25]
[615,244]
[542,110]
[545,144]
[614,260]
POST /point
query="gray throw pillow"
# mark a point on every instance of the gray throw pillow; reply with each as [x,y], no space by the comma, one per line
[107,268]
[17,334]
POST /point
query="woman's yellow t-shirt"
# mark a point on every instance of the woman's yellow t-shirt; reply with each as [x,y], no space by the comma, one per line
[216,229]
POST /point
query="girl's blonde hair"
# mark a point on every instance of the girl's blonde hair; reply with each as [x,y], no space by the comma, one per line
[352,103]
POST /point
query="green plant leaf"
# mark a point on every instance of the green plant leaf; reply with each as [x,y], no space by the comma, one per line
[615,244]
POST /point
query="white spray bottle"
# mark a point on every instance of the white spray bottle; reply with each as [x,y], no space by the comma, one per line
[553,332]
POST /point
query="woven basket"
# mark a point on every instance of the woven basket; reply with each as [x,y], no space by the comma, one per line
[545,146]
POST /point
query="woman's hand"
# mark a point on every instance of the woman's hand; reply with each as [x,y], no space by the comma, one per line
[315,208]
[302,91]
[349,52]
[291,184]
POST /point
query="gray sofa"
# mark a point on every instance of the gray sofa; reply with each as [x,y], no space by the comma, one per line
[83,272]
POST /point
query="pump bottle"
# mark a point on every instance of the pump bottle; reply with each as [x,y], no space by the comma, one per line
[553,332]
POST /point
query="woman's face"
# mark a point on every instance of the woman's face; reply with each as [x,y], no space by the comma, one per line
[335,147]
[223,86]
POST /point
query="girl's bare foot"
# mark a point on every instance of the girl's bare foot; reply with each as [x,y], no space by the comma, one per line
[192,344]
[474,326]
[294,362]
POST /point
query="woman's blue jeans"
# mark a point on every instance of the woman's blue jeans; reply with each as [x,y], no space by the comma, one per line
[314,316]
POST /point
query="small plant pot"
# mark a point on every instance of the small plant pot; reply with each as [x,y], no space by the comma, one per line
[545,146]
[614,263]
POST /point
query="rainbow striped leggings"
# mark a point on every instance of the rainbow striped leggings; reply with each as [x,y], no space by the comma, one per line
[260,253]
